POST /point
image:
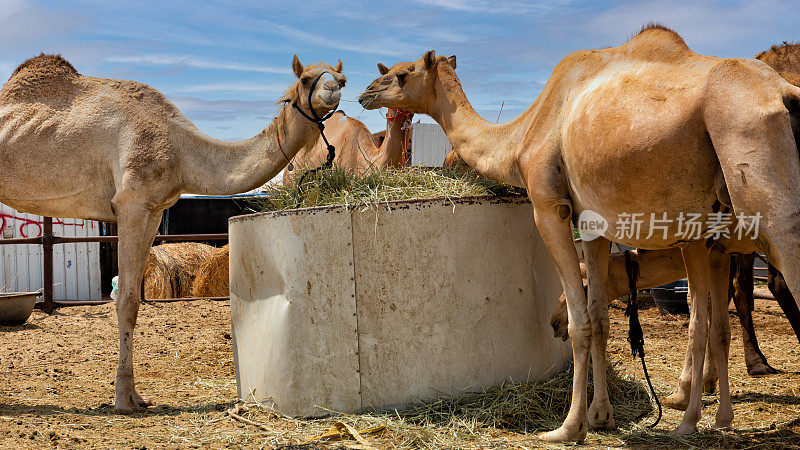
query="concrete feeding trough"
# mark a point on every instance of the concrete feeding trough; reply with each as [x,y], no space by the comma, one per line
[347,309]
[16,307]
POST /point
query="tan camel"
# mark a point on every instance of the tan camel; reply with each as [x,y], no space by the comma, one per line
[606,129]
[355,147]
[119,151]
[667,267]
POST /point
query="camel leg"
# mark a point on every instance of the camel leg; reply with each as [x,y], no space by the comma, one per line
[596,254]
[709,367]
[137,228]
[680,398]
[720,331]
[757,151]
[777,285]
[696,260]
[742,287]
[656,267]
[556,231]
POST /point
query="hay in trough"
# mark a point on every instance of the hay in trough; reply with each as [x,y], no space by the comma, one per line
[171,269]
[212,277]
[337,187]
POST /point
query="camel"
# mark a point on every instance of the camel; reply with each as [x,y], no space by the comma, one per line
[607,127]
[785,59]
[356,151]
[659,267]
[119,151]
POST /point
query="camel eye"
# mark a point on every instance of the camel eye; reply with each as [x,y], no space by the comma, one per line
[401,78]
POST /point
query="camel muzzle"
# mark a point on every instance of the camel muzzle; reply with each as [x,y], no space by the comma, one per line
[367,98]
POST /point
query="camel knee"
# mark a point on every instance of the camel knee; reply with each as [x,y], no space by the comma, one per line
[581,336]
[600,326]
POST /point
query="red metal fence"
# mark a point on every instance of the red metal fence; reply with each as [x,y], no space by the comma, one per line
[47,241]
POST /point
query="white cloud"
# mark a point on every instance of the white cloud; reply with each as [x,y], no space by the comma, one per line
[193,61]
[235,86]
[374,47]
[499,7]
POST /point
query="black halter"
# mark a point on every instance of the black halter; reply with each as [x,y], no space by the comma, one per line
[314,117]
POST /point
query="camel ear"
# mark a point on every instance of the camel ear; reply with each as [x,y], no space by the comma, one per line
[429,59]
[452,61]
[297,66]
[383,69]
[338,67]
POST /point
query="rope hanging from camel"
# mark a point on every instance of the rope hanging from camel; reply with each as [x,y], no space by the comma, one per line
[635,332]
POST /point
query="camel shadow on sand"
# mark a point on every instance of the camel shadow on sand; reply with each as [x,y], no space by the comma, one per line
[105,409]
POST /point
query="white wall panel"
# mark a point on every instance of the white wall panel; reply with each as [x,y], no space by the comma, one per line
[429,145]
[76,267]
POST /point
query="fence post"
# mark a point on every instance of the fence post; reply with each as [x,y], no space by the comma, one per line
[47,265]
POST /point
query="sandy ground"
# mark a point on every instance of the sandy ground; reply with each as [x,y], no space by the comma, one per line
[56,382]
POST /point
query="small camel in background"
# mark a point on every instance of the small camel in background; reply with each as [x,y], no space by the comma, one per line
[356,151]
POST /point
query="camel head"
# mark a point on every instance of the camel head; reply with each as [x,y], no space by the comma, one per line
[326,81]
[406,85]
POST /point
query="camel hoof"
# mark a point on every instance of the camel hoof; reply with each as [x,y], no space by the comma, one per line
[684,428]
[760,369]
[676,401]
[127,407]
[141,401]
[601,417]
[723,420]
[131,404]
[564,435]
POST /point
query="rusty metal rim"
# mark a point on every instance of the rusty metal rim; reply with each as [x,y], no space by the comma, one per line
[389,203]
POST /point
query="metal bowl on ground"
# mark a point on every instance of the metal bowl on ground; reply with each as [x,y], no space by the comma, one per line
[671,298]
[16,307]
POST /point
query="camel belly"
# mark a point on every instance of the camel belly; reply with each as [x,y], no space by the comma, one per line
[44,172]
[644,163]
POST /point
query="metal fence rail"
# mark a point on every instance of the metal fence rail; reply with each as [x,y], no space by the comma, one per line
[47,241]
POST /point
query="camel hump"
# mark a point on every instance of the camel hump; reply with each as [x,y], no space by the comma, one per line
[43,74]
[655,41]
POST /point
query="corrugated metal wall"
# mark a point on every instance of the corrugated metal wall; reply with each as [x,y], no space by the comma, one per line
[430,145]
[76,267]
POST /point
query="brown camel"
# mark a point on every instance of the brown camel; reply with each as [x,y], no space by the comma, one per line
[119,151]
[785,59]
[355,147]
[600,137]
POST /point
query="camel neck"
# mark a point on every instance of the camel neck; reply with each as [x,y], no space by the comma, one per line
[488,148]
[213,167]
[391,151]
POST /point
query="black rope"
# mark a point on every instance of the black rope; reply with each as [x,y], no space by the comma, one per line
[314,117]
[635,332]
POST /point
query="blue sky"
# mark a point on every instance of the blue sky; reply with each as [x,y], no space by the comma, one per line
[225,63]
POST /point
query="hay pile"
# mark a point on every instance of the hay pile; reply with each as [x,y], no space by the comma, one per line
[337,187]
[171,269]
[505,416]
[212,277]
